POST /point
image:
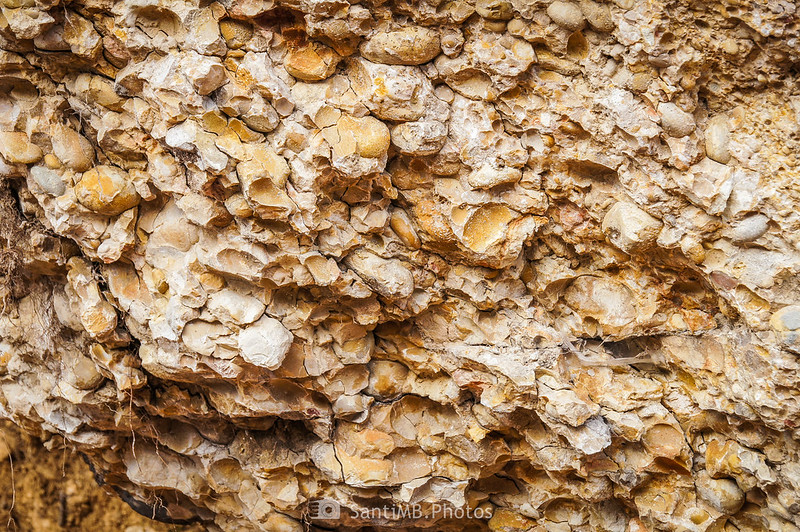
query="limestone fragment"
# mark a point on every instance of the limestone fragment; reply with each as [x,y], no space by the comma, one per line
[717,139]
[565,405]
[750,228]
[72,149]
[675,121]
[389,277]
[16,148]
[487,226]
[410,45]
[391,93]
[97,315]
[369,136]
[235,32]
[206,74]
[724,495]
[419,138]
[786,319]
[265,343]
[313,62]
[85,375]
[232,307]
[49,180]
[607,301]
[489,255]
[26,21]
[488,177]
[566,14]
[106,190]
[598,15]
[262,182]
[359,145]
[402,225]
[708,184]
[495,9]
[83,39]
[629,227]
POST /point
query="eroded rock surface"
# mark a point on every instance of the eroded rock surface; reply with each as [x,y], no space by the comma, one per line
[538,259]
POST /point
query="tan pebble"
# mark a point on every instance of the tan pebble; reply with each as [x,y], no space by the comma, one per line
[235,32]
[495,9]
[786,319]
[72,149]
[419,138]
[265,343]
[411,45]
[630,228]
[718,137]
[723,494]
[367,136]
[312,62]
[17,149]
[106,190]
[488,177]
[487,226]
[48,180]
[52,162]
[263,179]
[401,224]
[85,374]
[675,121]
[598,15]
[567,15]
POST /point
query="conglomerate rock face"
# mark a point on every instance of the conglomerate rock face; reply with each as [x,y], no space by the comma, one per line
[528,260]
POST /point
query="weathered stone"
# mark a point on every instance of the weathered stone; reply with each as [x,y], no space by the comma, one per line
[72,149]
[724,495]
[313,62]
[402,225]
[786,319]
[235,32]
[419,138]
[598,15]
[391,93]
[489,177]
[718,139]
[265,343]
[495,9]
[26,22]
[606,301]
[83,39]
[390,278]
[629,227]
[750,228]
[366,137]
[566,14]
[106,190]
[675,121]
[49,180]
[96,314]
[16,148]
[566,406]
[232,307]
[486,227]
[263,177]
[85,374]
[411,45]
[708,184]
[206,75]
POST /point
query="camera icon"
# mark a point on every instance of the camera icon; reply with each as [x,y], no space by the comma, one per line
[324,509]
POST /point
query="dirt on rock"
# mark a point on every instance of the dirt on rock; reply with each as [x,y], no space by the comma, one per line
[55,491]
